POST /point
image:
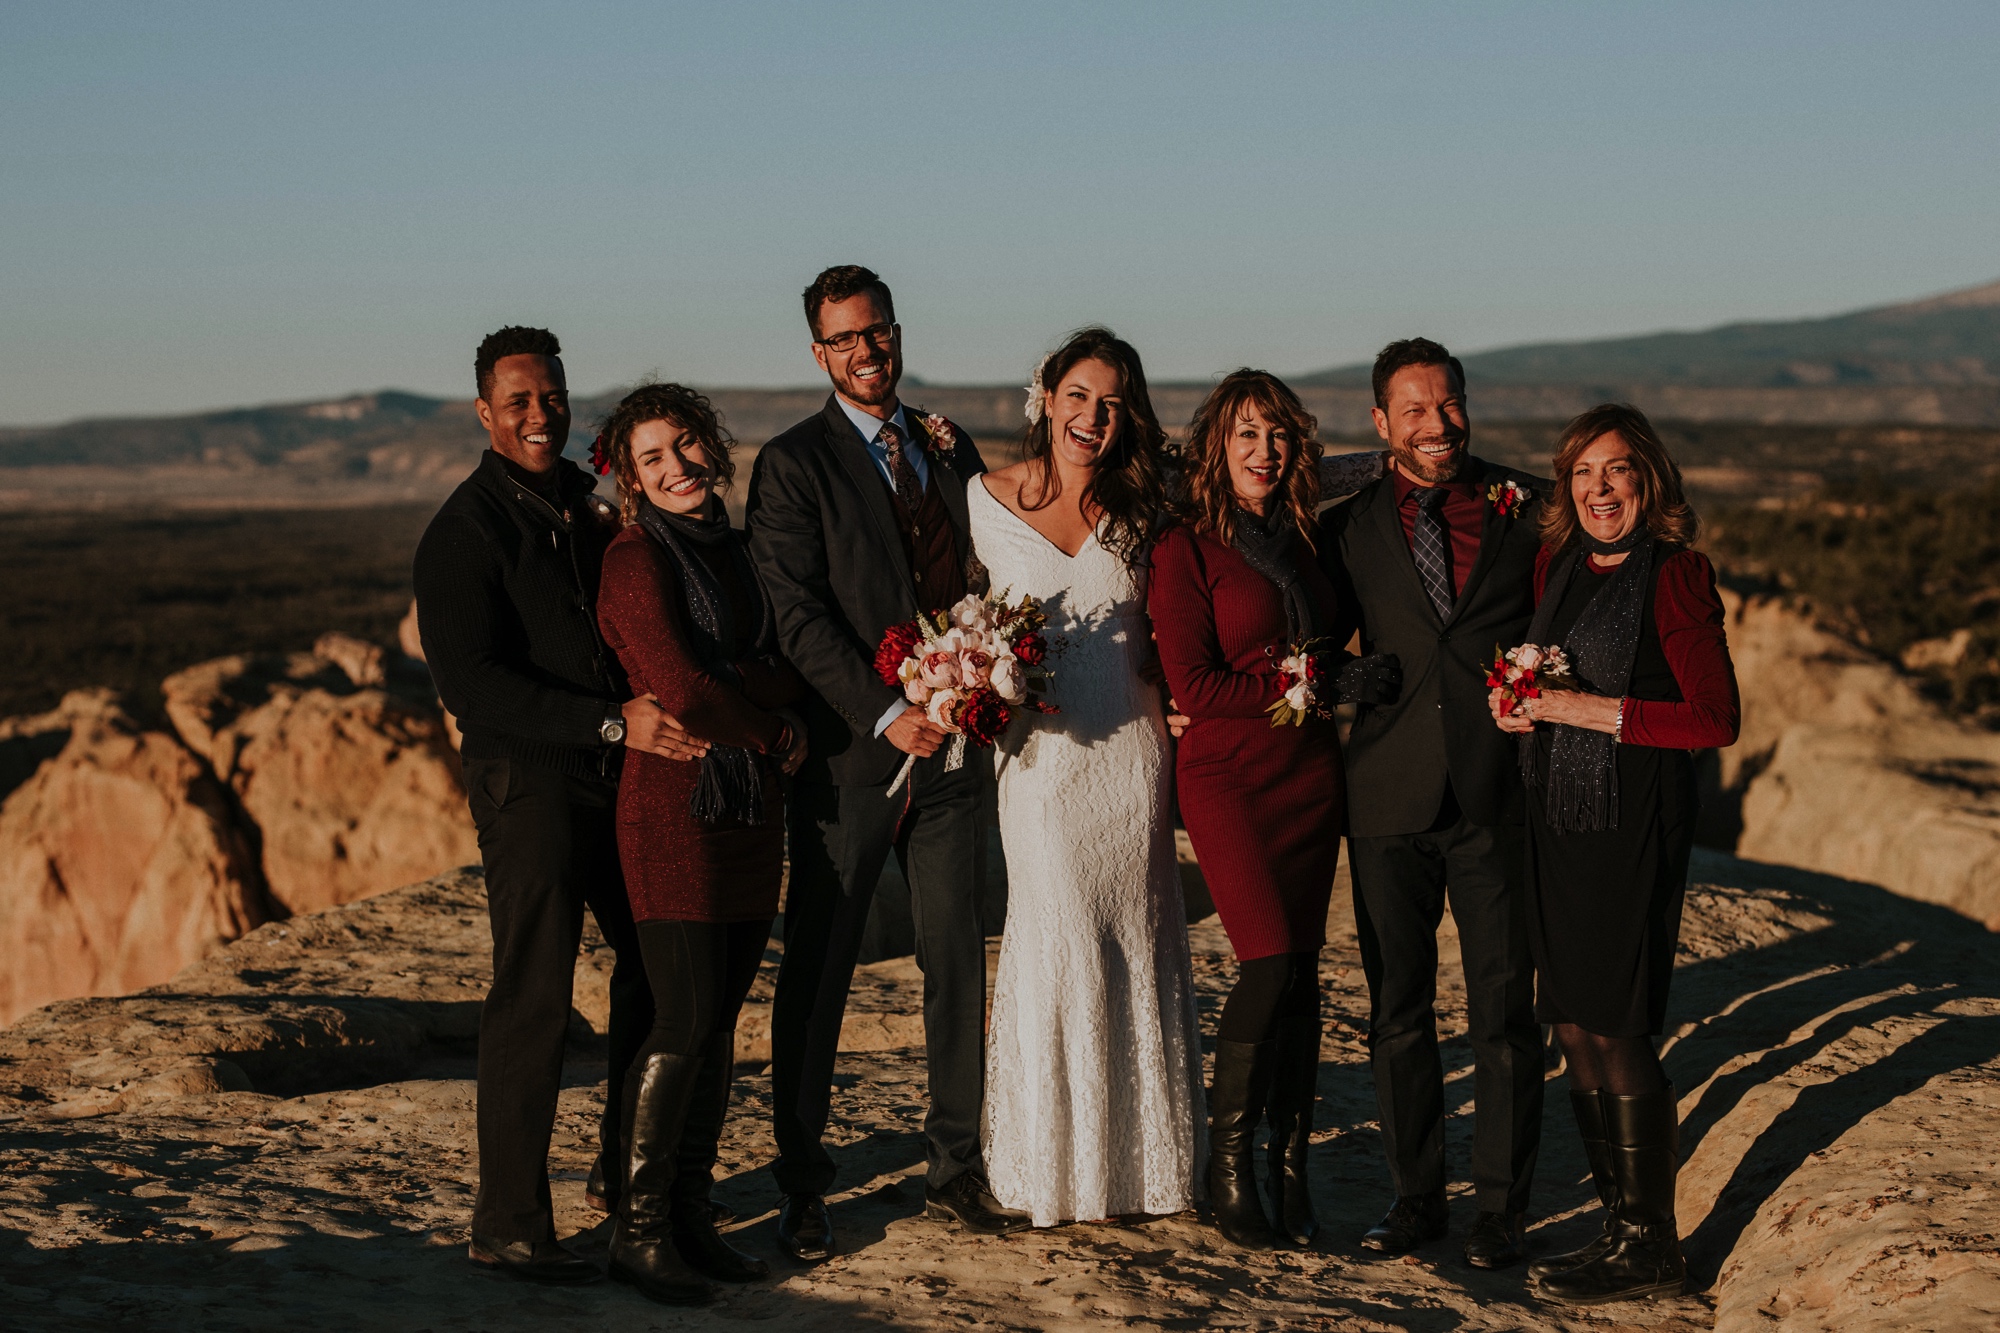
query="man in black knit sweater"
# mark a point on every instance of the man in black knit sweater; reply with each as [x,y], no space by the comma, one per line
[506,581]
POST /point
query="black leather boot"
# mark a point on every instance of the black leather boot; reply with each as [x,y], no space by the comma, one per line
[642,1243]
[693,1213]
[1294,1091]
[1597,1151]
[1644,1258]
[601,1190]
[1236,1097]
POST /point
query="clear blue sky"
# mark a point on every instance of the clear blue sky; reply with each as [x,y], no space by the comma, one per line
[206,205]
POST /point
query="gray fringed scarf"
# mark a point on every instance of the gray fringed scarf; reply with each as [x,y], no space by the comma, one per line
[1578,778]
[731,785]
[1267,546]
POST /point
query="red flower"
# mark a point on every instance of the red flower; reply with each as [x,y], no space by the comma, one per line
[1031,649]
[897,641]
[600,457]
[984,718]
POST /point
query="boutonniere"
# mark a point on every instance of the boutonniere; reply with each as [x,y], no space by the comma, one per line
[1507,497]
[940,436]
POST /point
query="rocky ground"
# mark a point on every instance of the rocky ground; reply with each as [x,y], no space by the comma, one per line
[282,1136]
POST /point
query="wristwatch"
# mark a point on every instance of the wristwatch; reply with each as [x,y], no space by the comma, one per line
[612,729]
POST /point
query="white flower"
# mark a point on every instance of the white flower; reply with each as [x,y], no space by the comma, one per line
[1558,663]
[944,707]
[1294,666]
[1008,681]
[1300,697]
[916,692]
[969,613]
[1034,408]
[1527,657]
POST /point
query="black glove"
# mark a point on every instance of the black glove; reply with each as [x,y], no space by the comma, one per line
[1377,679]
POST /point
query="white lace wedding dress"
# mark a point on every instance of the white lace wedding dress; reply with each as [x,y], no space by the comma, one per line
[1094,1102]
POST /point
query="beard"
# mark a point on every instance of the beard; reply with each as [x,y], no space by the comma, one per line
[1431,471]
[872,392]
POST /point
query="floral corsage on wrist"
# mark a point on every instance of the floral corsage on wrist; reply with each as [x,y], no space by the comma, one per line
[1525,672]
[1507,497]
[969,668]
[1302,673]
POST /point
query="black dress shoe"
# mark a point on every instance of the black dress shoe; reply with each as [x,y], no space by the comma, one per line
[1497,1240]
[531,1260]
[804,1228]
[598,1191]
[968,1200]
[1414,1219]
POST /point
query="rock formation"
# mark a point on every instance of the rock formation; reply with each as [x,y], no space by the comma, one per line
[351,790]
[121,859]
[1846,768]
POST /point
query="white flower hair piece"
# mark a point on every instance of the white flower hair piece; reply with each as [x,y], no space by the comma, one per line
[1035,392]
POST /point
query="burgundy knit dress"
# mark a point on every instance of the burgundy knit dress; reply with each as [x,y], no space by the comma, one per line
[678,868]
[1263,805]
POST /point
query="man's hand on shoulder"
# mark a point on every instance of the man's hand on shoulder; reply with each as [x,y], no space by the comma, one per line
[653,729]
[914,733]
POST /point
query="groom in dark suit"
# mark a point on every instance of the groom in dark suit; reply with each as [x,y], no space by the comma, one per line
[857,521]
[1436,562]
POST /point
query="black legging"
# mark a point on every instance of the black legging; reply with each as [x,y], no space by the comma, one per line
[699,972]
[1283,985]
[1623,1066]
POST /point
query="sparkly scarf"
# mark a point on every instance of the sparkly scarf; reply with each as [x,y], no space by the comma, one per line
[1577,777]
[731,784]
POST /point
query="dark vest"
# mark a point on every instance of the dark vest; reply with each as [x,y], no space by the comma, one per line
[931,546]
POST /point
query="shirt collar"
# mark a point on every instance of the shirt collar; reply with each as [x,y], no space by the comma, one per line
[871,426]
[1462,486]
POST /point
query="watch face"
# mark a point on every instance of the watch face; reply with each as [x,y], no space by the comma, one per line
[613,732]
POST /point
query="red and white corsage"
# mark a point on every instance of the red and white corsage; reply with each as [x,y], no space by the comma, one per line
[1507,497]
[1300,671]
[940,436]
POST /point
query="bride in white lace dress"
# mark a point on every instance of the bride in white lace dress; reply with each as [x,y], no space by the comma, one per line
[1093,1068]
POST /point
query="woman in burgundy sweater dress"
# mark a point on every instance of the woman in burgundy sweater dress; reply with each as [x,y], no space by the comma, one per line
[1611,808]
[702,844]
[1233,589]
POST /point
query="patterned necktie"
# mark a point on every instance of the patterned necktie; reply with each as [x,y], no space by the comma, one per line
[1428,545]
[901,475]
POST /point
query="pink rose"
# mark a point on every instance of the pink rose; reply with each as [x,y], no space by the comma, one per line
[939,670]
[975,667]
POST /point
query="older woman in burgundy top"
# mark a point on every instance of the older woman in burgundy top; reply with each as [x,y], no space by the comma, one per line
[1233,590]
[1611,807]
[702,844]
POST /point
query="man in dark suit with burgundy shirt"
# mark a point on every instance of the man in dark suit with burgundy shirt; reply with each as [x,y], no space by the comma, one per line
[1435,563]
[857,521]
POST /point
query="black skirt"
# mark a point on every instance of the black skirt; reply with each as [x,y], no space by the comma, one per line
[1604,907]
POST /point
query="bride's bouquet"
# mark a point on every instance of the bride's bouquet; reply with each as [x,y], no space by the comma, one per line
[1525,672]
[969,668]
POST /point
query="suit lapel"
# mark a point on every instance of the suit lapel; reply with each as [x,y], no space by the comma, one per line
[854,458]
[1492,534]
[1385,526]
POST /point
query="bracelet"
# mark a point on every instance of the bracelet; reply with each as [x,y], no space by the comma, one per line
[784,745]
[1618,727]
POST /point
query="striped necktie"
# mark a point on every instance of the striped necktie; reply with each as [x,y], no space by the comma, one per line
[1428,544]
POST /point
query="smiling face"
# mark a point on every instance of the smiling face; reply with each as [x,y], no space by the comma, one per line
[1086,413]
[1260,455]
[1604,482]
[1425,423]
[865,374]
[673,468]
[526,412]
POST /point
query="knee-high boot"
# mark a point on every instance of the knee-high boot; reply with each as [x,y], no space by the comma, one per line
[1589,1114]
[693,1213]
[1644,1258]
[1236,1098]
[642,1243]
[1294,1091]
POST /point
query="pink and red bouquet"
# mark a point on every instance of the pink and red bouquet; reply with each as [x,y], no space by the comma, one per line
[969,667]
[1524,672]
[1302,672]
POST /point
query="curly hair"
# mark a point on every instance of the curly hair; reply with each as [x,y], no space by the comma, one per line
[1128,484]
[514,340]
[840,282]
[1663,505]
[1210,502]
[684,407]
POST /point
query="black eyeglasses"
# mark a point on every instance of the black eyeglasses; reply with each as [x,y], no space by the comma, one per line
[878,335]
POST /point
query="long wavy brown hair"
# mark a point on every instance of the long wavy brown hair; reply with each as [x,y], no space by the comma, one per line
[1210,502]
[1663,505]
[1128,484]
[686,408]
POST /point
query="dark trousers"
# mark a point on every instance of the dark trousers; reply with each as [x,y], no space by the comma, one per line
[840,838]
[550,849]
[1400,887]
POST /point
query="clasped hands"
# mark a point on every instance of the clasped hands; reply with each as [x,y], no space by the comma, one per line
[653,729]
[1592,712]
